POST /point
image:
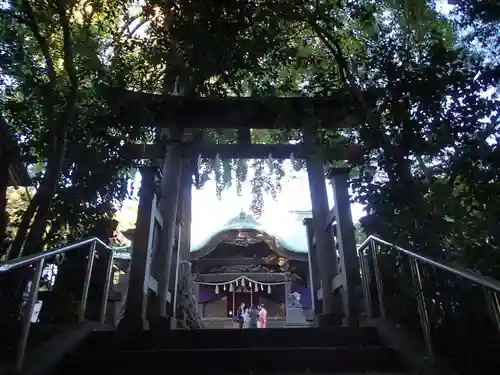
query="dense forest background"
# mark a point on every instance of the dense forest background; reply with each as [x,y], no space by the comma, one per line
[429,173]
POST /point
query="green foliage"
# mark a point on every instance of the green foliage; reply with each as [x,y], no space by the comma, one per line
[359,233]
[428,172]
[54,66]
[17,203]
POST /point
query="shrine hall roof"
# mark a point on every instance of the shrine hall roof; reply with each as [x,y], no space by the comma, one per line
[288,230]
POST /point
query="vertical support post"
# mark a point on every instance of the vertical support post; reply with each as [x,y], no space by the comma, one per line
[186,229]
[422,308]
[28,313]
[86,283]
[197,297]
[186,197]
[176,290]
[366,278]
[493,303]
[142,249]
[107,285]
[314,275]
[169,198]
[378,278]
[327,259]
[174,269]
[288,291]
[339,178]
[181,251]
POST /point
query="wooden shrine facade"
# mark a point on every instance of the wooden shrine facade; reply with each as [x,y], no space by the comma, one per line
[161,248]
[248,266]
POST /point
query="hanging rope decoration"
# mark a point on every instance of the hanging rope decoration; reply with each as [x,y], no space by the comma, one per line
[243,281]
[234,304]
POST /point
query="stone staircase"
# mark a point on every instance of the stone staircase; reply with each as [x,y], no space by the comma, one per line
[209,323]
[264,351]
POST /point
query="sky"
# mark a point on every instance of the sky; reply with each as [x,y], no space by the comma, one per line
[210,213]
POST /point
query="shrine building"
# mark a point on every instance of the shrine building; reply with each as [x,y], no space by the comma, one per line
[245,261]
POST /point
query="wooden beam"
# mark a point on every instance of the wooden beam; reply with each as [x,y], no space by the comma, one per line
[225,277]
[214,262]
[339,110]
[330,219]
[233,151]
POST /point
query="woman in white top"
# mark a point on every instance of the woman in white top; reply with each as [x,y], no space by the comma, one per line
[246,319]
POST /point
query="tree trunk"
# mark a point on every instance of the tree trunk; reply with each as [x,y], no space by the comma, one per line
[4,182]
[5,160]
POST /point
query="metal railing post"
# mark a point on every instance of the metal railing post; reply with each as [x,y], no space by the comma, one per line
[365,282]
[28,313]
[422,308]
[493,303]
[107,286]
[378,278]
[86,283]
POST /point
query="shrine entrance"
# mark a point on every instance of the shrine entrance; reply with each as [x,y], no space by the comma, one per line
[161,264]
[243,297]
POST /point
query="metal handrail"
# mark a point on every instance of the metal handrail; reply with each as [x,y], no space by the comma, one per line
[38,261]
[465,273]
[19,262]
[490,285]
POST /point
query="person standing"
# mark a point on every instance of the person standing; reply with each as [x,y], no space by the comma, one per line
[262,317]
[238,318]
[254,316]
[246,319]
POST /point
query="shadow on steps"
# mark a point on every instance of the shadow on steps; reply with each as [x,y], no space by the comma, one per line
[313,350]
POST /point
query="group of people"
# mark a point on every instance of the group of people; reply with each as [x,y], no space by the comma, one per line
[253,317]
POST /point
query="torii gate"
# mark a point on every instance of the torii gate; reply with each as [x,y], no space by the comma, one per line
[165,198]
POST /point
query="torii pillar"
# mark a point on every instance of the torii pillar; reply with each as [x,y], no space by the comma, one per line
[135,317]
[171,172]
[314,274]
[325,247]
[349,263]
[180,254]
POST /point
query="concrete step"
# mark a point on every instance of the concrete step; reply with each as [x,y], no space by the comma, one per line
[228,323]
[235,338]
[250,360]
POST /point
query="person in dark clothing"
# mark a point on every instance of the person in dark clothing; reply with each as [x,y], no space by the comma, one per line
[239,315]
[254,316]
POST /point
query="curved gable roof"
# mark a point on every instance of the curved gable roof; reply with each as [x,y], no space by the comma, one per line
[291,234]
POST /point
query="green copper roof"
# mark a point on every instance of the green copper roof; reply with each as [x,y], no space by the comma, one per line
[290,233]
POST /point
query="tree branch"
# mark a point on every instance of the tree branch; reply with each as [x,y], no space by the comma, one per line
[54,164]
[68,48]
[32,24]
